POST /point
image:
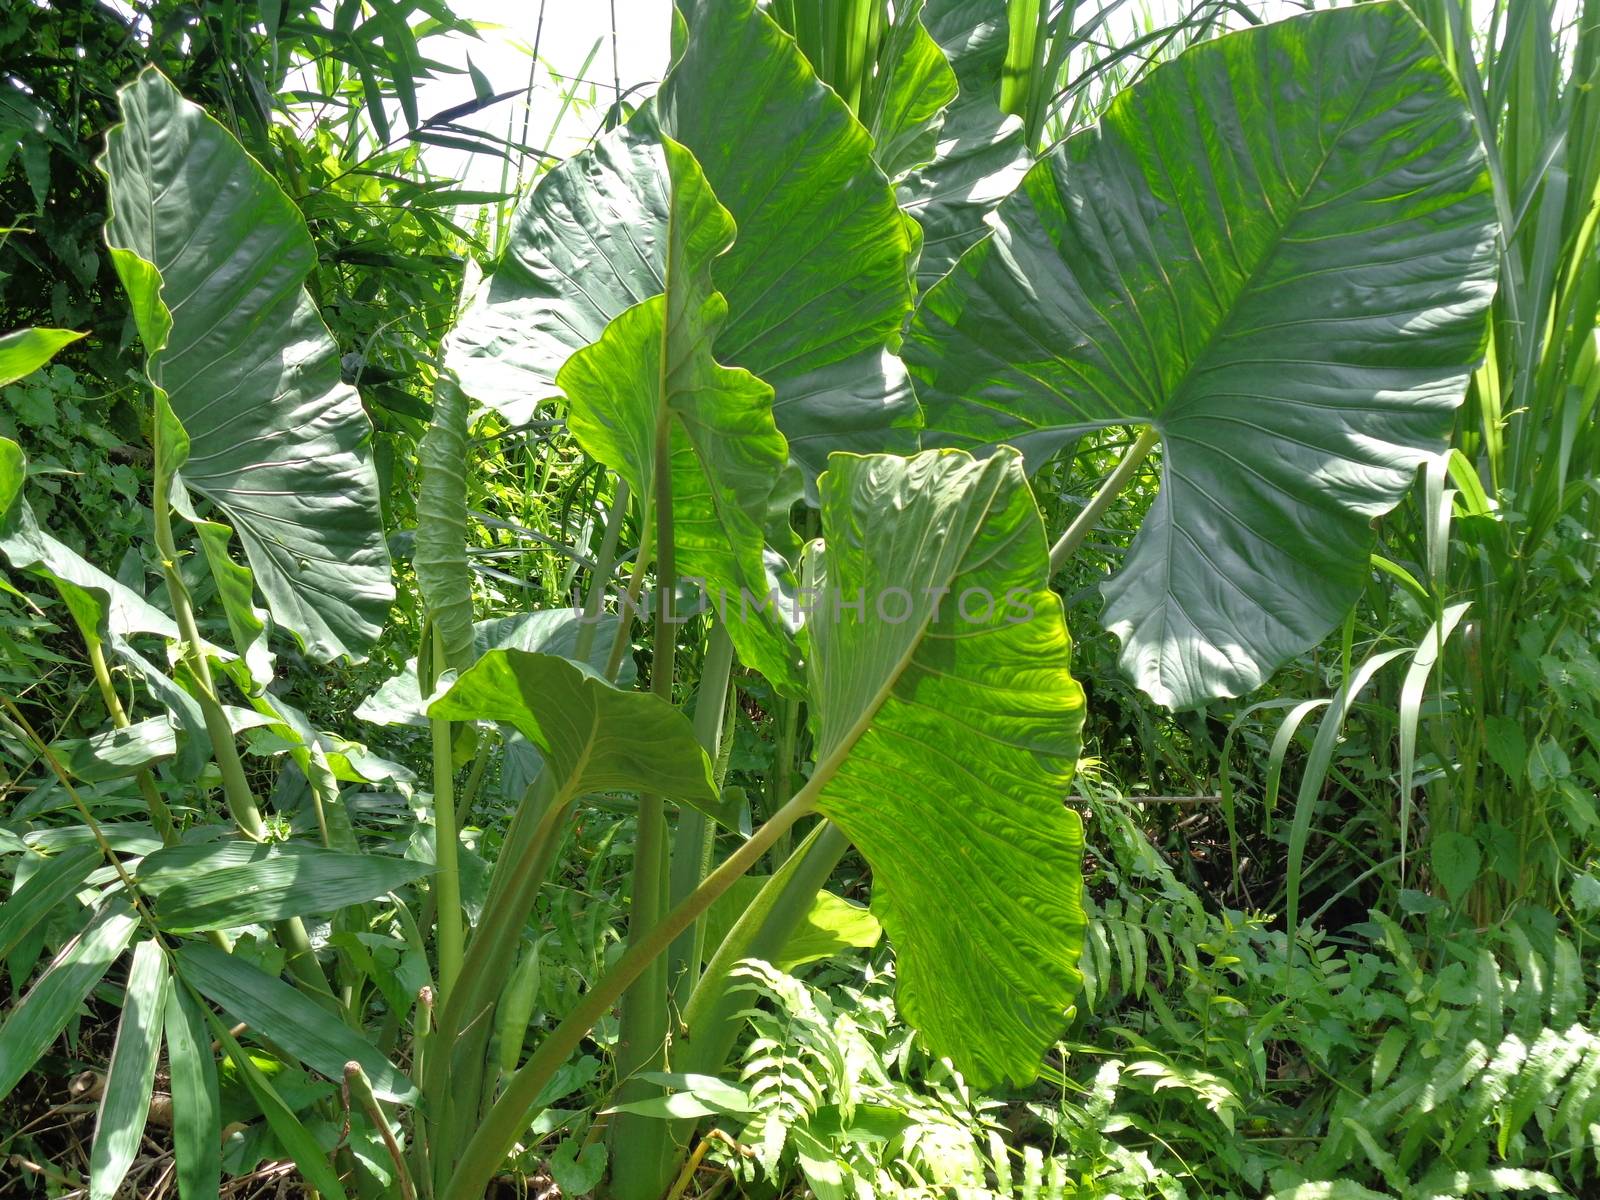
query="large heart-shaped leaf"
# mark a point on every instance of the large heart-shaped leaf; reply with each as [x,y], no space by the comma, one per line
[818,285]
[947,729]
[214,257]
[652,375]
[818,281]
[1276,250]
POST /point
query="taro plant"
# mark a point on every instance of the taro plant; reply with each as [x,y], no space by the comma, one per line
[1286,293]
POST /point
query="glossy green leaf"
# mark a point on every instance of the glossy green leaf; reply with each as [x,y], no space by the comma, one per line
[26,350]
[399,701]
[196,1103]
[980,155]
[46,887]
[40,1016]
[587,243]
[214,256]
[1277,251]
[313,1034]
[130,1079]
[223,885]
[818,280]
[652,371]
[594,737]
[950,723]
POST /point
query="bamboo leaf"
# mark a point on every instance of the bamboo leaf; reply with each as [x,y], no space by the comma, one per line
[304,1028]
[130,1079]
[44,1011]
[229,884]
[196,1101]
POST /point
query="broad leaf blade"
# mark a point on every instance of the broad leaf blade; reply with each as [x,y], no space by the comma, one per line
[818,280]
[304,1028]
[594,737]
[953,732]
[981,154]
[651,372]
[43,1013]
[130,1078]
[214,256]
[1277,250]
[226,885]
[587,243]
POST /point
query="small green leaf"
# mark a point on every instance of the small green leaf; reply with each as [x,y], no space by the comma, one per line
[1457,861]
[130,1079]
[26,350]
[576,1171]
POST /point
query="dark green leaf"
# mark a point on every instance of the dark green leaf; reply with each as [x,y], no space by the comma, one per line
[301,1026]
[1276,250]
[214,256]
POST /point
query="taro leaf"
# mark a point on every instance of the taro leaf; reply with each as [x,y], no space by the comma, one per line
[947,728]
[214,257]
[595,737]
[1277,251]
[981,154]
[224,885]
[26,350]
[587,243]
[817,282]
[440,557]
[275,1010]
[905,103]
[399,700]
[652,372]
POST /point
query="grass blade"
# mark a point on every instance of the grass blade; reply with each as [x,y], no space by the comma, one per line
[45,1011]
[132,1074]
[196,1099]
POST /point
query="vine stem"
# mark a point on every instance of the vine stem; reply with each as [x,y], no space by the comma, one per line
[498,1131]
[1086,520]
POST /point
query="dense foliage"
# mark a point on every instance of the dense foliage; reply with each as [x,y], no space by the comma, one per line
[977,598]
